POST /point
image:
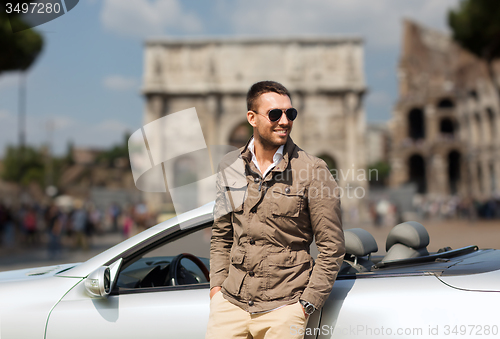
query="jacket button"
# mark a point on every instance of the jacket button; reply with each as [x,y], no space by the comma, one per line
[287,190]
[252,242]
[251,273]
[250,303]
[256,180]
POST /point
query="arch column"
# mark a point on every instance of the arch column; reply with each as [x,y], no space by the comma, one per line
[431,123]
[437,175]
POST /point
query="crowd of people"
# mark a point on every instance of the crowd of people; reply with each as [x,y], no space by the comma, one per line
[456,207]
[387,212]
[55,226]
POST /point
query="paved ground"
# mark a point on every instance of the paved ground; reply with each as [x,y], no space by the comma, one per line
[453,233]
[21,257]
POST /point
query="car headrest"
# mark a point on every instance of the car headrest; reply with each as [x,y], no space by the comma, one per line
[409,233]
[359,242]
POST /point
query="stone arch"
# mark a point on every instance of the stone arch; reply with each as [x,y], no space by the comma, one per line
[228,123]
[332,165]
[416,124]
[417,172]
[240,134]
[447,126]
[454,171]
[446,103]
[330,161]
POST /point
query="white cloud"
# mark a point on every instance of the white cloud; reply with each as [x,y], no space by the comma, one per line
[142,18]
[60,122]
[119,83]
[378,21]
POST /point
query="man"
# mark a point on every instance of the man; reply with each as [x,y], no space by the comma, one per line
[262,279]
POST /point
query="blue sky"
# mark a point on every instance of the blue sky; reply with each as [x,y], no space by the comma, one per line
[86,83]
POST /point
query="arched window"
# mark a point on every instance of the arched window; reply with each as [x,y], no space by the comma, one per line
[446,103]
[446,126]
[332,165]
[240,135]
[416,165]
[416,124]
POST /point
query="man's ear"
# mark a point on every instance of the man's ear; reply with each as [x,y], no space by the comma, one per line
[251,115]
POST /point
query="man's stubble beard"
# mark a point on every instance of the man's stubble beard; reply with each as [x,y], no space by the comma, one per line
[269,145]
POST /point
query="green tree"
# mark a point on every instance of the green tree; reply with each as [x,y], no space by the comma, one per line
[23,169]
[18,50]
[476,27]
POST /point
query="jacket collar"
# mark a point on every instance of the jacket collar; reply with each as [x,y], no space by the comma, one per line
[280,167]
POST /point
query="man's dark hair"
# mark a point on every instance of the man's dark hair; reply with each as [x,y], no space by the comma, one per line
[262,87]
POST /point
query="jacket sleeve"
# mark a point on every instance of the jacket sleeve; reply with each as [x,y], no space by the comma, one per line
[222,236]
[326,223]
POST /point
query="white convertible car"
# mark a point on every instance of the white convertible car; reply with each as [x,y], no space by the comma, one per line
[155,285]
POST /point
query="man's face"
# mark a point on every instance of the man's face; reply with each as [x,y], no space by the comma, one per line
[271,134]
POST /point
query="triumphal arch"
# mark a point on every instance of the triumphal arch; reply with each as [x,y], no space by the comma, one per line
[325,76]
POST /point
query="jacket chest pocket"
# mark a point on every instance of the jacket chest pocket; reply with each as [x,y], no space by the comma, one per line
[286,201]
[235,194]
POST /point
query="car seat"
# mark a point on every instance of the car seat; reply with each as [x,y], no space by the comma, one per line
[359,245]
[406,240]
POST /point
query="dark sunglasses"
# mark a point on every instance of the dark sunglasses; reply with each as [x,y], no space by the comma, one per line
[276,113]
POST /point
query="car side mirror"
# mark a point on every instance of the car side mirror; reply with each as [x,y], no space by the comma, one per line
[98,283]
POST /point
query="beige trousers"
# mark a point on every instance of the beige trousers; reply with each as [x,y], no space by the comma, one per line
[227,321]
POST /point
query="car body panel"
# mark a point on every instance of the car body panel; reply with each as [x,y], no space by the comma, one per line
[34,273]
[26,304]
[367,308]
[483,282]
[171,313]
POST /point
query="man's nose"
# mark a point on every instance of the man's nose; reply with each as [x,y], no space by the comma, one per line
[284,120]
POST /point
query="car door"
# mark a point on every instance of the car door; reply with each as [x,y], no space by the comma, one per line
[175,313]
[141,311]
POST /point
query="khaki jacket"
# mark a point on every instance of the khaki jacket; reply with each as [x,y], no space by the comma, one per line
[264,226]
